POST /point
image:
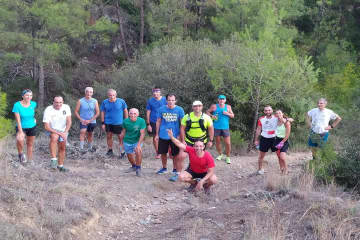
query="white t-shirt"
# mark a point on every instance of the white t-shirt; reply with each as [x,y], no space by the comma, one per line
[57,118]
[268,126]
[320,119]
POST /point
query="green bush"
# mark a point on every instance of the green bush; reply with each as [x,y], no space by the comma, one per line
[4,123]
[325,163]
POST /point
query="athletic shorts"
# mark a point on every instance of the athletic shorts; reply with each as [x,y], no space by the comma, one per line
[164,147]
[221,132]
[129,148]
[89,128]
[285,147]
[153,128]
[266,144]
[115,129]
[194,174]
[317,140]
[30,132]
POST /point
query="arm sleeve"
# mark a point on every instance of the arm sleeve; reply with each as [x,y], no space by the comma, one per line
[188,149]
[46,116]
[210,161]
[68,111]
[102,106]
[333,115]
[259,123]
[183,120]
[148,107]
[15,108]
[143,124]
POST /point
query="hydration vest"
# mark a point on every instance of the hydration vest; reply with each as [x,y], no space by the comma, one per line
[189,123]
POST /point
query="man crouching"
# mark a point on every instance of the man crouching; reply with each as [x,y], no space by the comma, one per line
[201,171]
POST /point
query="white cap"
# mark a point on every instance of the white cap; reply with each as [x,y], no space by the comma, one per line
[197,103]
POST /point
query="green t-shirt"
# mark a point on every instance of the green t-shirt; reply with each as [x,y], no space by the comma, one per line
[195,130]
[132,134]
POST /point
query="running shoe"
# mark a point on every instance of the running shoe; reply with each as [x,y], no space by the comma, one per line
[162,171]
[130,169]
[261,172]
[207,189]
[227,160]
[122,155]
[174,177]
[53,163]
[158,156]
[22,158]
[220,157]
[191,188]
[138,172]
[62,169]
[174,170]
[110,153]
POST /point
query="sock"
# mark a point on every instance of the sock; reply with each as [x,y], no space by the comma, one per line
[121,149]
[60,166]
[133,165]
[82,144]
[110,150]
[55,159]
[90,144]
[138,167]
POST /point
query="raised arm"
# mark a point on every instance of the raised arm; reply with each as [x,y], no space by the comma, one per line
[175,140]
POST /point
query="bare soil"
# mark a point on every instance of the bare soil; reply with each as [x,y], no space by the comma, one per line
[98,200]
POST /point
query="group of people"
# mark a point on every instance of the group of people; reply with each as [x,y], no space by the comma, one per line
[174,133]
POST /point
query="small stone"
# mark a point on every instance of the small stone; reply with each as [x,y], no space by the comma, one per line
[157,221]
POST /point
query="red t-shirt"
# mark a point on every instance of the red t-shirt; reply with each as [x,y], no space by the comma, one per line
[197,164]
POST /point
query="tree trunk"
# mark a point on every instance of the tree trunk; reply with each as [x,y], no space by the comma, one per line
[122,34]
[256,116]
[142,21]
[41,86]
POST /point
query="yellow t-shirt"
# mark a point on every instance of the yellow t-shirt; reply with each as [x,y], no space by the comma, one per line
[195,130]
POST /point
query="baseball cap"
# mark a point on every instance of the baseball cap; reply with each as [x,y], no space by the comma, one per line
[221,97]
[197,103]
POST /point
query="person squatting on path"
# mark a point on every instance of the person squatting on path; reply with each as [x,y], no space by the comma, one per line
[169,117]
[57,121]
[282,133]
[318,119]
[201,171]
[197,126]
[266,129]
[132,136]
[113,112]
[152,107]
[87,110]
[221,114]
[24,112]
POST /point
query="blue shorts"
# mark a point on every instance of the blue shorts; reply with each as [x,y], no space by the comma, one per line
[317,140]
[130,147]
[89,128]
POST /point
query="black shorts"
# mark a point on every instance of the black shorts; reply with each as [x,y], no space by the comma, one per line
[115,129]
[153,128]
[284,148]
[89,128]
[194,174]
[266,144]
[163,147]
[192,144]
[30,132]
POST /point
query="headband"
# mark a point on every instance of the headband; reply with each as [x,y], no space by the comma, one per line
[25,92]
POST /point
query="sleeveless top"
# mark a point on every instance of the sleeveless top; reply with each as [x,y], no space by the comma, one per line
[87,108]
[281,131]
[222,121]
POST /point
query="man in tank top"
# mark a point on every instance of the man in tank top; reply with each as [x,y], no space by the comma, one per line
[221,114]
[87,110]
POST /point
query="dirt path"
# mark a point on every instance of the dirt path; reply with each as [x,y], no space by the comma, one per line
[97,200]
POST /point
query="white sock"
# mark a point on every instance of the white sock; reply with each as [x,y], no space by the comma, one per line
[60,165]
[82,144]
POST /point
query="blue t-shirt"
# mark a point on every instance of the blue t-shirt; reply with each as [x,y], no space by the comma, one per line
[87,109]
[222,121]
[113,111]
[27,114]
[170,119]
[153,106]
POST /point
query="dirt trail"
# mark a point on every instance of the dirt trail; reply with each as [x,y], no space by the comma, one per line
[98,200]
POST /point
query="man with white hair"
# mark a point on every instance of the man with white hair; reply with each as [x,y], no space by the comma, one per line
[113,112]
[57,121]
[87,110]
[132,136]
[318,119]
